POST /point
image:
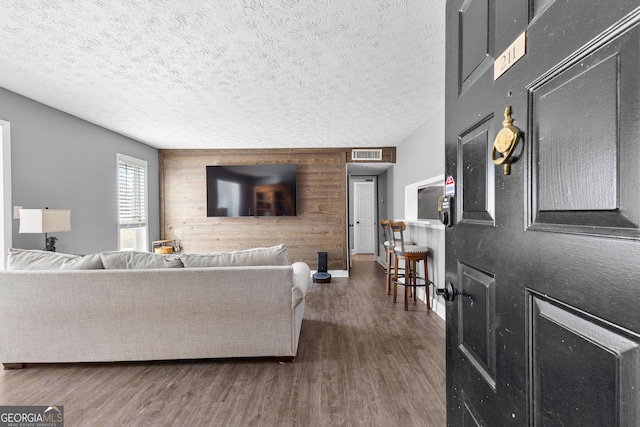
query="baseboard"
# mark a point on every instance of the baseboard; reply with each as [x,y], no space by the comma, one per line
[439,308]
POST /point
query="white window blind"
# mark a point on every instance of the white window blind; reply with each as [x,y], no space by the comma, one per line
[132,193]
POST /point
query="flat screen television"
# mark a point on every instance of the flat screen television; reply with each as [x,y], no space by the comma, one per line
[251,190]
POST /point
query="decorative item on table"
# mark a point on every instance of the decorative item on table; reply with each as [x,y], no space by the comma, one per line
[164,246]
[45,221]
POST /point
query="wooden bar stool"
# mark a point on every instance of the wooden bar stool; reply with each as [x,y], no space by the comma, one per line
[388,249]
[411,255]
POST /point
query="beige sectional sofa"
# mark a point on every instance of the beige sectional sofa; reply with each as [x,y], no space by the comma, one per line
[133,309]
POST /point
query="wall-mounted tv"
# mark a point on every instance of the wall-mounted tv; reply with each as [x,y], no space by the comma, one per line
[251,190]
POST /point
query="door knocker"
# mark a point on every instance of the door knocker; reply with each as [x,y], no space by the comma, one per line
[505,142]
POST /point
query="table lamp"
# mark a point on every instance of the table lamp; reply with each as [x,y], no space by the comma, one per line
[45,221]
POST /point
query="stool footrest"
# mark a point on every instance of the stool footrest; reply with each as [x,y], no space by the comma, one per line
[398,282]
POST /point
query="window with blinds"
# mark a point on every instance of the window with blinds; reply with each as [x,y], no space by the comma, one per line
[132,203]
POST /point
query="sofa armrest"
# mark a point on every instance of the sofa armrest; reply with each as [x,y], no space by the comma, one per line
[301,282]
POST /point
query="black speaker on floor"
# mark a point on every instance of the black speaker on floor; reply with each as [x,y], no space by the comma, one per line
[322,276]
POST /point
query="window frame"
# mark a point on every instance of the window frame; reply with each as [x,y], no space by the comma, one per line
[143,241]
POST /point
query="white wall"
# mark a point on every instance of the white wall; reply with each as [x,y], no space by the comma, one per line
[60,161]
[420,157]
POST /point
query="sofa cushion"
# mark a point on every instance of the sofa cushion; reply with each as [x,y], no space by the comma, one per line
[27,259]
[120,260]
[275,255]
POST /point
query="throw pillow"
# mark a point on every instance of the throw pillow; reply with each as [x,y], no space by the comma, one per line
[275,255]
[27,259]
[119,260]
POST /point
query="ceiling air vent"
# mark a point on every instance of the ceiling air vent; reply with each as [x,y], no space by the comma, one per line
[367,155]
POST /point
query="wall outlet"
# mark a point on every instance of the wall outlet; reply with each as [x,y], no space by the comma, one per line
[16,212]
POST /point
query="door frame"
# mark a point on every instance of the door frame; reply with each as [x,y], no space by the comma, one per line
[350,212]
[6,214]
[369,183]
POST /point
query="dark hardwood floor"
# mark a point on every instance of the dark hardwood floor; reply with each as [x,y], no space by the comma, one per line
[362,361]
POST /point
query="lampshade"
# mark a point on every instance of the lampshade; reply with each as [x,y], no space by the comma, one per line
[44,220]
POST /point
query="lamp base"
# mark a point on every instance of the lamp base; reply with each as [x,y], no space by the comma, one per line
[50,243]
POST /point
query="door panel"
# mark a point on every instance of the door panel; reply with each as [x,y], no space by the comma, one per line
[566,195]
[475,38]
[561,151]
[477,174]
[476,308]
[581,370]
[470,415]
[539,6]
[544,329]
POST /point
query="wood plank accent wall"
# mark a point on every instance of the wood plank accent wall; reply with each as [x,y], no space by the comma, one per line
[319,226]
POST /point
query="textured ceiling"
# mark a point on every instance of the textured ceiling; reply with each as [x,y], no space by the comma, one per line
[231,74]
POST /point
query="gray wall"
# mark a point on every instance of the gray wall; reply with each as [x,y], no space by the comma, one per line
[62,162]
[385,201]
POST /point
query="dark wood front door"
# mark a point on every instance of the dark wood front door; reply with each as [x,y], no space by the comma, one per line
[545,327]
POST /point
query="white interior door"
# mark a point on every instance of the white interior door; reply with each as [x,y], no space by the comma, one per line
[364,217]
